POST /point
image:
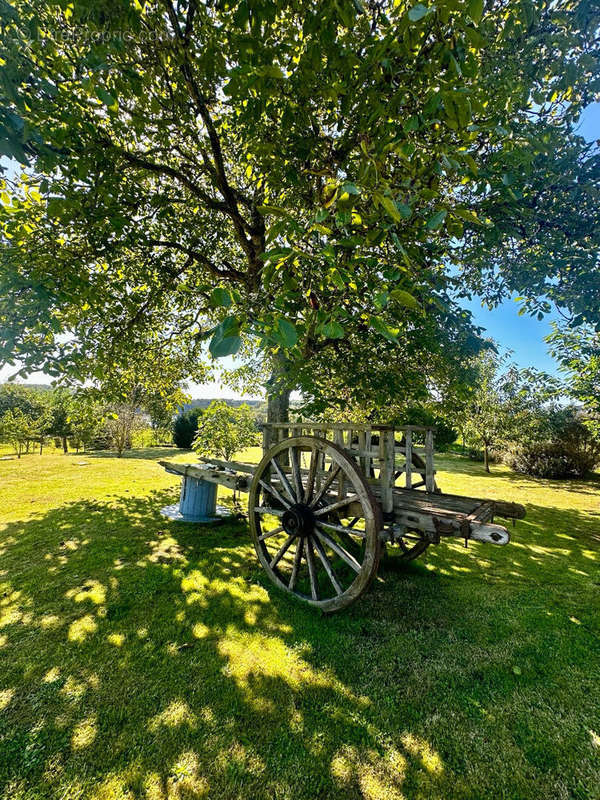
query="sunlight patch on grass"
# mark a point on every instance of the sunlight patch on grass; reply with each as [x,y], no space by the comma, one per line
[52,675]
[177,713]
[91,590]
[84,733]
[6,695]
[73,689]
[50,621]
[82,628]
[185,780]
[200,630]
[379,778]
[420,749]
[116,638]
[254,659]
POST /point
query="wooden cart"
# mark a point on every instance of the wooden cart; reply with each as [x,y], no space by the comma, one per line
[325,499]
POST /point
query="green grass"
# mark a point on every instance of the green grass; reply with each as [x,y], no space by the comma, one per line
[144,659]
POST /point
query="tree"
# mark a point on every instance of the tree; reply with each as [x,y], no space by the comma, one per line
[61,409]
[296,181]
[22,430]
[578,353]
[121,422]
[224,430]
[87,419]
[185,427]
[507,404]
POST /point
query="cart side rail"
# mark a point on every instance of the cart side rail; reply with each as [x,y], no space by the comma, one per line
[387,451]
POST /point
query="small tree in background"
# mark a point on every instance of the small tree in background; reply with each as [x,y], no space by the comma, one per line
[61,408]
[578,352]
[15,427]
[224,430]
[185,427]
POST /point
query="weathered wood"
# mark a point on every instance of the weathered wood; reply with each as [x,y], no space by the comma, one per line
[317,525]
[429,478]
[237,466]
[409,458]
[207,473]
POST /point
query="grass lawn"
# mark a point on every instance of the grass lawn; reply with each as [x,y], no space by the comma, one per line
[146,659]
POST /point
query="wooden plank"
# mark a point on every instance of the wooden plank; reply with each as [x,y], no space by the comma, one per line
[386,474]
[408,465]
[237,466]
[205,473]
[429,476]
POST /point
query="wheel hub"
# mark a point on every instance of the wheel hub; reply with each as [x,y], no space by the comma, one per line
[298,520]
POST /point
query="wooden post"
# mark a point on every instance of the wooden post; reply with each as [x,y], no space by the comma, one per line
[362,446]
[429,469]
[408,453]
[338,438]
[386,475]
[266,437]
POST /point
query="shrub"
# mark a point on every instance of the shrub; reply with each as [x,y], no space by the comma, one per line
[185,427]
[561,446]
[559,459]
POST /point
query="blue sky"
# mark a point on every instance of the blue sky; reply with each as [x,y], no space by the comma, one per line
[523,335]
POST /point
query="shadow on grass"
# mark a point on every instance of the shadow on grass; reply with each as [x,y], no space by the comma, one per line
[145,453]
[148,659]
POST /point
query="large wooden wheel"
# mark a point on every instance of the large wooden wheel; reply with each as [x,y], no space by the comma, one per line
[315,522]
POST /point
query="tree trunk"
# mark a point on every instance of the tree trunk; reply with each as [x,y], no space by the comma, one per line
[65,445]
[278,391]
[486,457]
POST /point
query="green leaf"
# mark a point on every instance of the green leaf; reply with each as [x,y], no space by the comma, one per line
[384,329]
[288,334]
[405,210]
[106,98]
[274,210]
[350,188]
[226,340]
[220,297]
[467,215]
[391,208]
[405,298]
[224,346]
[476,10]
[418,12]
[337,279]
[332,330]
[435,223]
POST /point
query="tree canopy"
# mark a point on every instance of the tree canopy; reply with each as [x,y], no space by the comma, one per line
[312,181]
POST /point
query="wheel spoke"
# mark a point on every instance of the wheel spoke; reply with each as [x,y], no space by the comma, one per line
[312,471]
[284,481]
[333,475]
[312,570]
[272,490]
[350,560]
[282,550]
[342,528]
[274,512]
[351,498]
[268,534]
[297,562]
[296,473]
[328,568]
